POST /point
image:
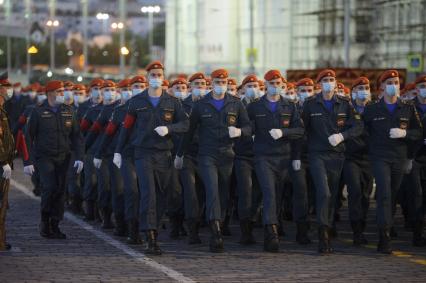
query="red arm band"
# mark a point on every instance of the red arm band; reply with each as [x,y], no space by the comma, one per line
[111,129]
[129,120]
[84,125]
[96,127]
[22,120]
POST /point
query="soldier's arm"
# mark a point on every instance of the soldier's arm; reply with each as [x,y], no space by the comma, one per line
[243,121]
[181,122]
[94,131]
[107,136]
[306,115]
[125,130]
[415,131]
[296,130]
[355,124]
[30,135]
[76,138]
[194,120]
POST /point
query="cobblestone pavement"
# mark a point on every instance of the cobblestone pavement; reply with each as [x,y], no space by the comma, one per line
[92,255]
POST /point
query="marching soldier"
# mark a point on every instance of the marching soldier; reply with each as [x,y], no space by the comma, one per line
[329,120]
[276,122]
[52,132]
[129,89]
[7,150]
[299,170]
[155,116]
[193,191]
[248,190]
[90,179]
[392,126]
[220,119]
[357,169]
[110,183]
[417,186]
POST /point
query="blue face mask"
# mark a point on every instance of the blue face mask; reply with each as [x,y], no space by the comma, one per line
[155,82]
[198,92]
[363,95]
[252,93]
[125,95]
[303,96]
[136,91]
[392,90]
[94,93]
[109,96]
[422,92]
[273,91]
[329,86]
[220,89]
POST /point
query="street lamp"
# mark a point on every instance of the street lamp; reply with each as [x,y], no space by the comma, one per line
[52,24]
[151,10]
[30,51]
[103,17]
[116,26]
[124,51]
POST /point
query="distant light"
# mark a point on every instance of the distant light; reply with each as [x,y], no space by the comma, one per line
[120,25]
[1,2]
[124,50]
[102,16]
[1,52]
[70,53]
[114,25]
[49,23]
[49,74]
[55,23]
[69,71]
[105,53]
[151,9]
[32,50]
[79,79]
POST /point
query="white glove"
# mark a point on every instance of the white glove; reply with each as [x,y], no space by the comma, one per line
[7,171]
[97,163]
[79,165]
[409,166]
[397,133]
[178,162]
[29,170]
[296,165]
[162,131]
[335,139]
[234,132]
[117,160]
[276,133]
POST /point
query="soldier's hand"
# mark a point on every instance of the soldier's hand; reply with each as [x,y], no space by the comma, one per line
[335,139]
[178,162]
[7,171]
[162,131]
[397,133]
[97,163]
[296,165]
[234,132]
[117,160]
[276,133]
[79,165]
[29,170]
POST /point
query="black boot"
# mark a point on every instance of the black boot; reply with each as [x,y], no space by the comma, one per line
[332,232]
[225,226]
[76,205]
[56,232]
[174,227]
[45,231]
[247,237]
[120,226]
[216,240]
[133,233]
[358,235]
[89,211]
[106,219]
[153,247]
[280,228]
[418,239]
[194,238]
[324,246]
[384,245]
[302,237]
[182,230]
[271,242]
